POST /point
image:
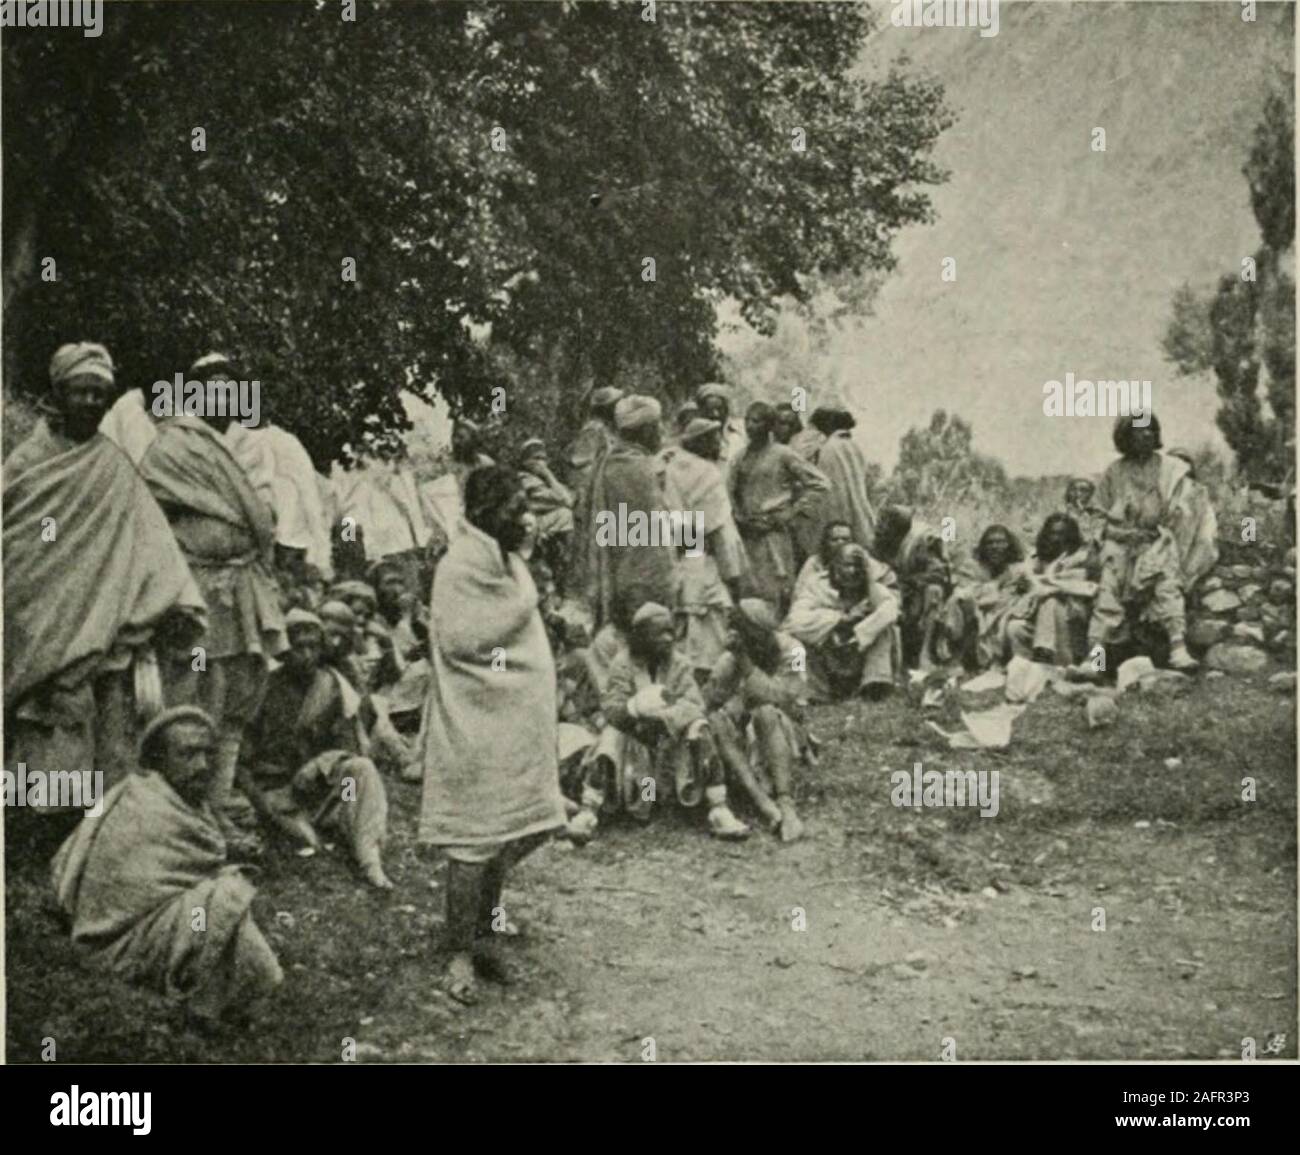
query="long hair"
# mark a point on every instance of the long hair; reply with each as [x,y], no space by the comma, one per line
[1073,538]
[891,528]
[981,549]
[1122,435]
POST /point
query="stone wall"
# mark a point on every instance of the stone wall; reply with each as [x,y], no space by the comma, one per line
[1244,610]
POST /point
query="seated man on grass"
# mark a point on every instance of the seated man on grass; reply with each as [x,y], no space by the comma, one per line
[656,731]
[148,888]
[756,703]
[303,771]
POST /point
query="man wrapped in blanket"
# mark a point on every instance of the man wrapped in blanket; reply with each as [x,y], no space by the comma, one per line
[147,886]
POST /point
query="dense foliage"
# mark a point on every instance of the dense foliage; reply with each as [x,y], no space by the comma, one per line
[499,173]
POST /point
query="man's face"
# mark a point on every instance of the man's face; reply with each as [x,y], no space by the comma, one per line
[360,608]
[660,640]
[391,589]
[836,536]
[1080,493]
[785,426]
[188,760]
[84,399]
[650,437]
[757,425]
[336,640]
[846,572]
[306,644]
[509,525]
[1054,538]
[997,550]
[715,409]
[708,445]
[1142,441]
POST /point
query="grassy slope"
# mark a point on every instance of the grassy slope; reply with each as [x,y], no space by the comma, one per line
[662,933]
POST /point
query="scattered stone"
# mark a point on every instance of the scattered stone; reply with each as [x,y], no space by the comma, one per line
[1271,616]
[1236,659]
[1131,671]
[917,960]
[1204,632]
[1024,972]
[1173,763]
[1248,632]
[1165,682]
[1243,571]
[989,892]
[1283,682]
[1210,584]
[1214,674]
[1102,711]
[1141,824]
[1282,592]
[1249,614]
[1248,593]
[1221,601]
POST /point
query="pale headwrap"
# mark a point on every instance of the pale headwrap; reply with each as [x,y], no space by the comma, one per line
[84,357]
[163,721]
[652,613]
[635,411]
[209,361]
[697,428]
[338,612]
[757,611]
[712,389]
[298,618]
[606,396]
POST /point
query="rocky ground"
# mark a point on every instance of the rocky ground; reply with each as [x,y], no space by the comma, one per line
[919,926]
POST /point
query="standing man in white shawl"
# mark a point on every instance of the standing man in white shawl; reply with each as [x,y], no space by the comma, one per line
[491,770]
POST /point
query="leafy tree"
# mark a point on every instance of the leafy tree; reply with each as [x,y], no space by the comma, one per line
[937,465]
[499,173]
[1249,323]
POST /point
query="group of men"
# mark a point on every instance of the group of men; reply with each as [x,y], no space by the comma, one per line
[158,630]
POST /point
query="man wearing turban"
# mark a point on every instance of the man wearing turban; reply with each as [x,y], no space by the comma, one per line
[715,404]
[619,576]
[93,579]
[227,532]
[656,736]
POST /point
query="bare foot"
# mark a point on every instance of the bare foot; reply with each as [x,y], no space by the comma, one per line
[375,875]
[459,981]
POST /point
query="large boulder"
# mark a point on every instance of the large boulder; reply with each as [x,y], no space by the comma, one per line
[1236,658]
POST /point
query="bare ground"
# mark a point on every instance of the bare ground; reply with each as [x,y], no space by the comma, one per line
[921,926]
